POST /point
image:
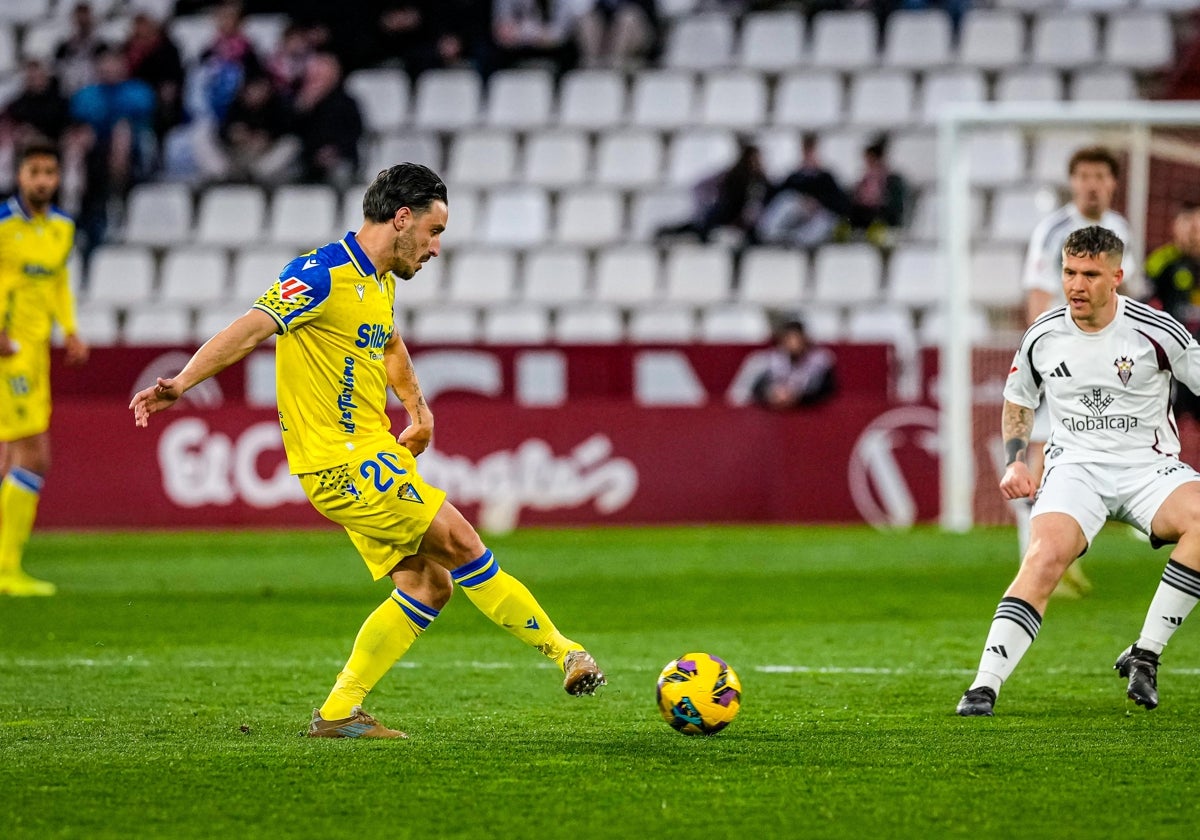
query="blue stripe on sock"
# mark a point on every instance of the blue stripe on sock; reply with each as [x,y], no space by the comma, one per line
[420,614]
[478,571]
[26,479]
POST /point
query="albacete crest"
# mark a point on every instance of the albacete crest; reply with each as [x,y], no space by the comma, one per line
[1124,367]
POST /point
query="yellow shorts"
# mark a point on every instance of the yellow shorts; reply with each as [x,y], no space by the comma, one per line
[25,392]
[381,501]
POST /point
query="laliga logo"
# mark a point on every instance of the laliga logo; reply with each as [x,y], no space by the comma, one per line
[877,483]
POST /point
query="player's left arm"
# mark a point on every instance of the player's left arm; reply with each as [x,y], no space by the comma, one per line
[64,314]
[402,379]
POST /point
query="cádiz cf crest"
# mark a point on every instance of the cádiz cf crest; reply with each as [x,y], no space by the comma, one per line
[1124,367]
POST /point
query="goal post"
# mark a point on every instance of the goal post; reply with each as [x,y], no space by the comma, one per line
[1132,124]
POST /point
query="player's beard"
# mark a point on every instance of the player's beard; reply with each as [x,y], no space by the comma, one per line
[404,257]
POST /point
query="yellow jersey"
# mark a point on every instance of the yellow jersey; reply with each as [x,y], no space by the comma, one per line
[34,289]
[334,316]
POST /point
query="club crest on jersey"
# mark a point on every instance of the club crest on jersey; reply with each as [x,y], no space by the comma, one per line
[293,289]
[408,493]
[1124,367]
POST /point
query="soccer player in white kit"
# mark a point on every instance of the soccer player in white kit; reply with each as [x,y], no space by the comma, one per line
[1092,172]
[1103,363]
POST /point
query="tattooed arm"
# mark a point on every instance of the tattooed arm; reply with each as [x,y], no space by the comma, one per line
[403,380]
[1016,424]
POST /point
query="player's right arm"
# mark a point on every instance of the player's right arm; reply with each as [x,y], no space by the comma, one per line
[230,345]
[1016,425]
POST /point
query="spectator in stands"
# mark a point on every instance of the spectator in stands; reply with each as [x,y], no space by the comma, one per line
[464,34]
[618,33]
[731,198]
[223,66]
[115,134]
[37,114]
[798,372]
[880,198]
[405,34]
[254,142]
[287,62]
[537,30]
[328,123]
[1173,270]
[75,58]
[804,210]
[153,57]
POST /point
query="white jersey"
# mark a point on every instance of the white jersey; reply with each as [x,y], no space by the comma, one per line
[1109,392]
[1043,261]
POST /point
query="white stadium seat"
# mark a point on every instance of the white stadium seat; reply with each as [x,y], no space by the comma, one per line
[1029,84]
[844,40]
[98,326]
[991,39]
[519,99]
[943,87]
[589,217]
[700,42]
[518,216]
[382,95]
[917,39]
[808,100]
[555,276]
[914,279]
[663,99]
[482,277]
[847,274]
[881,98]
[1103,84]
[996,275]
[445,325]
[447,100]
[996,156]
[772,277]
[1017,209]
[158,325]
[231,215]
[193,276]
[591,99]
[391,149]
[516,324]
[699,153]
[304,215]
[254,270]
[663,325]
[734,325]
[771,41]
[120,275]
[733,100]
[556,159]
[159,214]
[588,325]
[1065,39]
[627,276]
[482,158]
[1142,40]
[629,158]
[698,274]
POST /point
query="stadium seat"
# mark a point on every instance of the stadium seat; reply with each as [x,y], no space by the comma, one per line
[519,99]
[1017,209]
[663,325]
[772,277]
[427,287]
[629,158]
[211,320]
[627,276]
[808,100]
[914,153]
[1065,39]
[677,8]
[193,276]
[445,325]
[924,224]
[726,324]
[25,12]
[844,40]
[847,274]
[482,277]
[516,324]
[699,42]
[663,99]
[158,325]
[588,325]
[917,39]
[98,325]
[699,153]
[945,86]
[254,270]
[231,215]
[159,214]
[733,100]
[391,149]
[841,152]
[771,41]
[42,37]
[698,274]
[555,276]
[1029,84]
[591,99]
[304,215]
[932,328]
[1141,40]
[447,100]
[996,275]
[482,158]
[996,156]
[991,39]
[885,324]
[382,96]
[1097,5]
[517,216]
[914,279]
[780,149]
[120,275]
[881,98]
[589,217]
[192,34]
[265,31]
[8,51]
[1052,150]
[1103,84]
[822,323]
[462,227]
[658,207]
[555,159]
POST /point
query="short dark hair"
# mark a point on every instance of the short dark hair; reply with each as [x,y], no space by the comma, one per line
[408,185]
[37,148]
[1095,154]
[1094,241]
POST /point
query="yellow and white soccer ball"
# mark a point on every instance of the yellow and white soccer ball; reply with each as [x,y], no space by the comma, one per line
[699,694]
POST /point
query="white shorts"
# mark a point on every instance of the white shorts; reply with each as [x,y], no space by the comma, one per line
[1093,493]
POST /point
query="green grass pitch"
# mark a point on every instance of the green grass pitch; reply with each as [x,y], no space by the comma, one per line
[162,693]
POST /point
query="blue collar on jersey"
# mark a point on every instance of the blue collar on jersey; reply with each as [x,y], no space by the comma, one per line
[19,208]
[358,256]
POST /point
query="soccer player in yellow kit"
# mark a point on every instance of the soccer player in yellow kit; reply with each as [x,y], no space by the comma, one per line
[35,241]
[338,352]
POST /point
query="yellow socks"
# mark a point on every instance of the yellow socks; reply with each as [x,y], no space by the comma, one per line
[19,493]
[385,636]
[506,601]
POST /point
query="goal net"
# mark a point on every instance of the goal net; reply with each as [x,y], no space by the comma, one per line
[1001,168]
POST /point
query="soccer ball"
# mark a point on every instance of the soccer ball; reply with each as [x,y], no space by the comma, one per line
[698,694]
